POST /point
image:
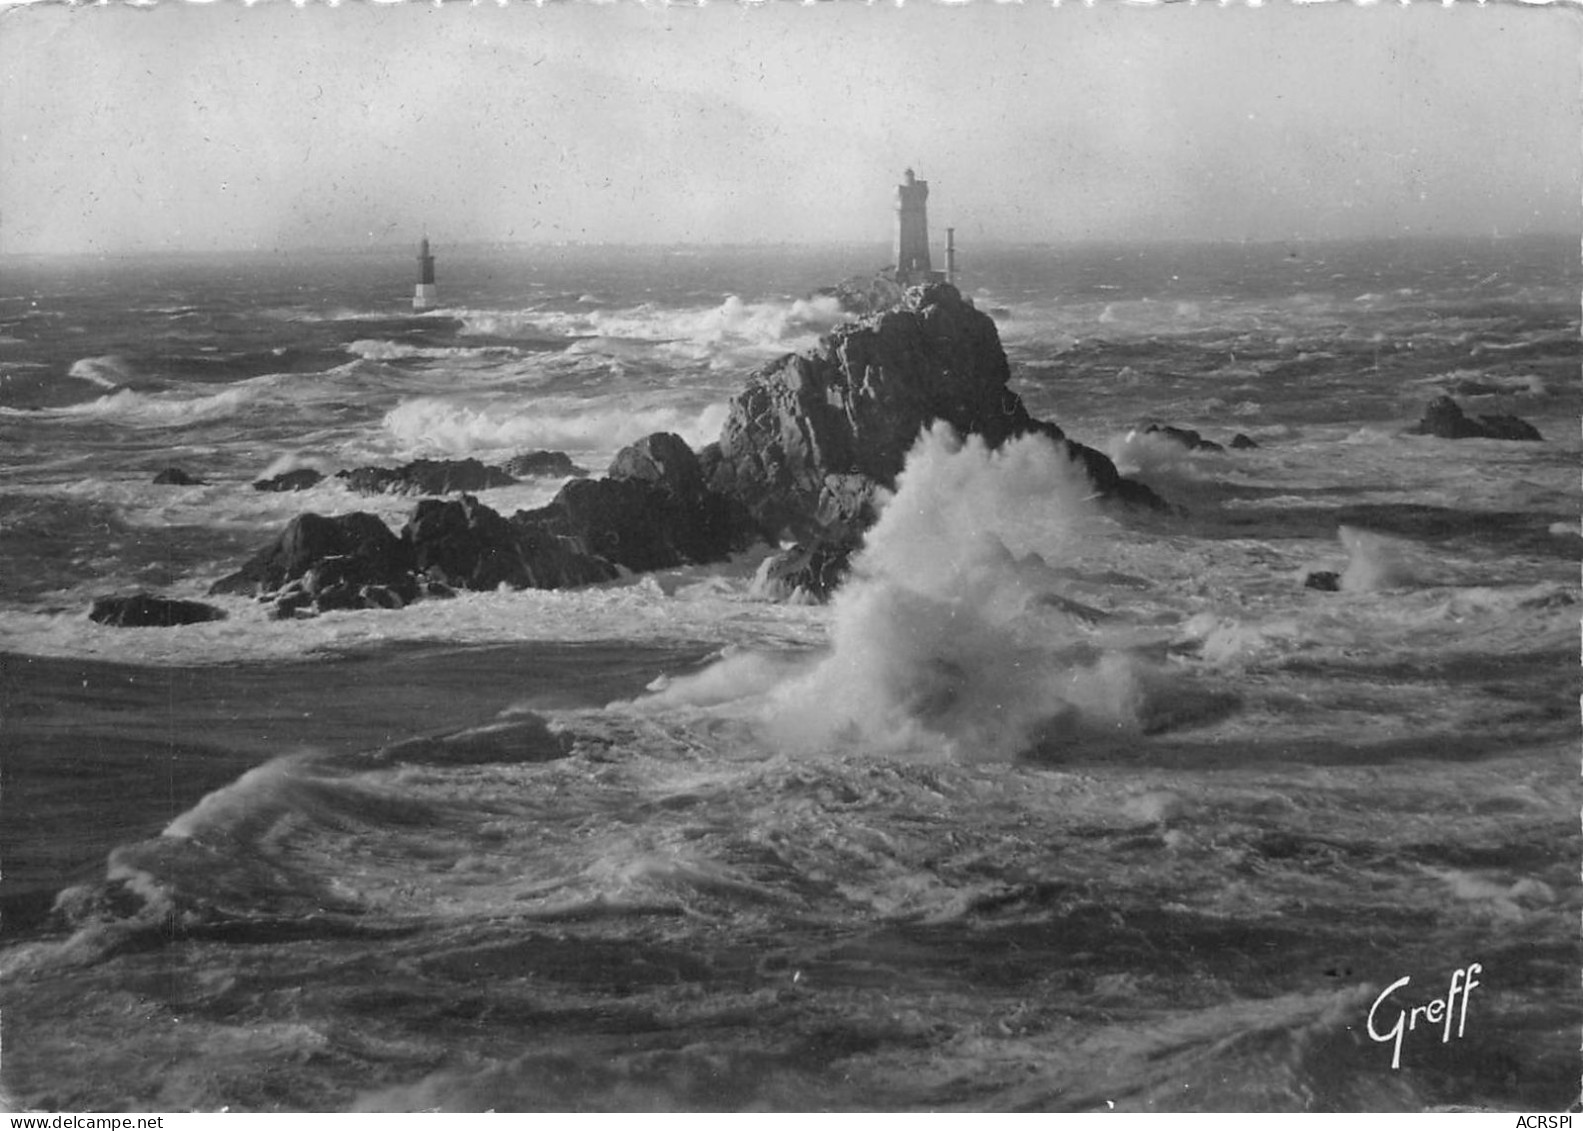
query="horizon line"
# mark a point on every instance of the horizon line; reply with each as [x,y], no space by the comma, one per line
[729,245]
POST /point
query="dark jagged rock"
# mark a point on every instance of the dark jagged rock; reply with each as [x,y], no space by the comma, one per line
[144,610]
[1445,418]
[848,505]
[299,480]
[463,544]
[855,406]
[426,477]
[1325,580]
[1190,439]
[354,561]
[373,556]
[661,458]
[811,571]
[543,465]
[176,477]
[1243,443]
[557,562]
[652,512]
[1504,426]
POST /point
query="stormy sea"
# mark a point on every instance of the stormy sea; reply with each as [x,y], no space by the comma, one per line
[1265,801]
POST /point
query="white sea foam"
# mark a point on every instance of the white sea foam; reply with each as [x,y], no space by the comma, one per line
[293,461]
[377,349]
[259,797]
[1155,458]
[107,372]
[731,327]
[950,637]
[1226,640]
[162,410]
[436,425]
[1374,562]
[737,674]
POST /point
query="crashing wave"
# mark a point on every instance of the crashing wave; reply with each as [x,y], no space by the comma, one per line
[442,426]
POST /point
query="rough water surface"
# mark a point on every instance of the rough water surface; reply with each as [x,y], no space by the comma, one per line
[1055,807]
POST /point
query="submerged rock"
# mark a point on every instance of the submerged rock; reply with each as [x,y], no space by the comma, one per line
[1444,418]
[144,610]
[813,435]
[298,480]
[426,477]
[176,477]
[1325,580]
[543,465]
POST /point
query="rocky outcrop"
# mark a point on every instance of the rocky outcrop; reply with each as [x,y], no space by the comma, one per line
[426,477]
[1445,418]
[1189,438]
[356,550]
[176,477]
[144,610]
[466,545]
[660,458]
[813,435]
[1243,443]
[298,480]
[543,465]
[1324,580]
[809,447]
[653,511]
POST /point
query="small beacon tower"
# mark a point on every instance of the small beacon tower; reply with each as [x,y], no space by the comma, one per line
[425,296]
[912,234]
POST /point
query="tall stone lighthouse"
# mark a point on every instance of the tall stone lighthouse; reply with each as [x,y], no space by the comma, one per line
[912,233]
[425,296]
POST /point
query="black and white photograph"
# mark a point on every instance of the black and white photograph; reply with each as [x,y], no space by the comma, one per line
[790,557]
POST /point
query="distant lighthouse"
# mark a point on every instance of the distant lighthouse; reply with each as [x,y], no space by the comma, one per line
[425,296]
[912,233]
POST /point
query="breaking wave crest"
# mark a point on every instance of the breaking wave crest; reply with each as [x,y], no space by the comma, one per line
[767,324]
[107,372]
[1155,458]
[437,425]
[163,410]
[379,349]
[952,635]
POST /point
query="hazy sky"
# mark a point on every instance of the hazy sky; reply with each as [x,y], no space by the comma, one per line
[219,126]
